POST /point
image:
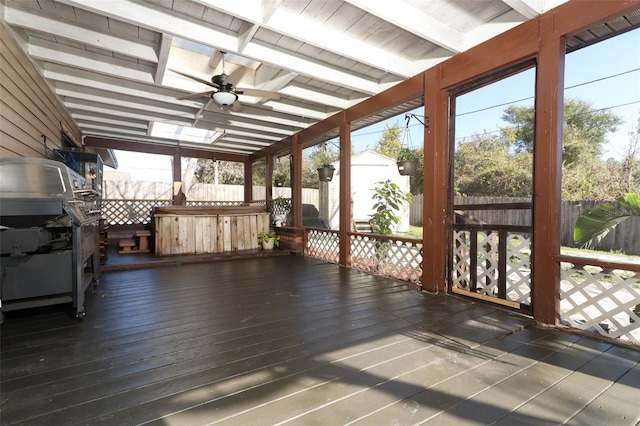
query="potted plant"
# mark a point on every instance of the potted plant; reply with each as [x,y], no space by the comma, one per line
[268,240]
[407,161]
[325,172]
[279,178]
[280,207]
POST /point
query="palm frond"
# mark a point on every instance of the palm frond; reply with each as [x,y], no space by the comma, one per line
[594,224]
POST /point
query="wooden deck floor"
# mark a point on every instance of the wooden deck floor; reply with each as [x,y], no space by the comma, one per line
[293,340]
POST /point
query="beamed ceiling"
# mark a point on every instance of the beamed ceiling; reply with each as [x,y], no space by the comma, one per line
[112,63]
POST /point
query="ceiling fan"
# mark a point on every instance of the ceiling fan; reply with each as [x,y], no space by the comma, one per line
[225,94]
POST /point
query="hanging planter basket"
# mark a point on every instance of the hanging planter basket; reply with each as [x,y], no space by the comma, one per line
[407,161]
[407,167]
[325,174]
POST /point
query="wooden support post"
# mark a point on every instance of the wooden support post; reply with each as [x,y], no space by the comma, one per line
[435,206]
[345,192]
[547,173]
[248,181]
[296,181]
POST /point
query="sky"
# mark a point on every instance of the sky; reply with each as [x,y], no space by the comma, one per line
[606,74]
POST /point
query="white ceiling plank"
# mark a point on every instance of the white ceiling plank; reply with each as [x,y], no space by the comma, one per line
[246,33]
[304,111]
[107,120]
[228,143]
[250,135]
[149,17]
[110,110]
[415,21]
[269,78]
[485,32]
[163,21]
[314,69]
[271,116]
[51,52]
[305,93]
[527,8]
[101,127]
[308,31]
[78,33]
[163,57]
[61,73]
[70,91]
[230,137]
[257,126]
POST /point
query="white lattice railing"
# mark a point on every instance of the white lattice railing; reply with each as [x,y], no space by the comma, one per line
[138,212]
[322,244]
[130,212]
[399,258]
[493,262]
[602,297]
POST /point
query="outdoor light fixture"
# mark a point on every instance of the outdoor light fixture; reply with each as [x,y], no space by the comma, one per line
[224,98]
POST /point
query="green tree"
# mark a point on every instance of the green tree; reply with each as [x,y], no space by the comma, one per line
[584,131]
[501,165]
[314,158]
[630,164]
[389,143]
[219,172]
[486,166]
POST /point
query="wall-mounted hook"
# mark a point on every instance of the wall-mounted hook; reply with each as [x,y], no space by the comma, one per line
[425,123]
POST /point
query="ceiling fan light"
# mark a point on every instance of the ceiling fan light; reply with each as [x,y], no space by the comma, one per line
[224,98]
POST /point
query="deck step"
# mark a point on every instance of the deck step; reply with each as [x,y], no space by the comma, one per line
[362,225]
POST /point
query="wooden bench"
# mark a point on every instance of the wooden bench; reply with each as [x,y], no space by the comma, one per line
[138,243]
[143,241]
[127,246]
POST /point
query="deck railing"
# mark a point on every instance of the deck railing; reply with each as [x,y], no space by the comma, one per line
[138,212]
[600,296]
[130,212]
[493,262]
[394,257]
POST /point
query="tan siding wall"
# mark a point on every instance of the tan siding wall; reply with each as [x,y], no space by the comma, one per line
[28,108]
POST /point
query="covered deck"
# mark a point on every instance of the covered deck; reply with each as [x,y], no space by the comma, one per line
[292,339]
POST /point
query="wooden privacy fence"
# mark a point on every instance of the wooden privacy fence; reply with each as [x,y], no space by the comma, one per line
[625,238]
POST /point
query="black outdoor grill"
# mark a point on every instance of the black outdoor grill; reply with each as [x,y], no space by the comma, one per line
[49,236]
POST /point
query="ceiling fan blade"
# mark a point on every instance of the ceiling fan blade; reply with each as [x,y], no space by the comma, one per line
[192,77]
[258,93]
[196,96]
[236,106]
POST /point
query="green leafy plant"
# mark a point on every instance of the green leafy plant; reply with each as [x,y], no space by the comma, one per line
[281,205]
[264,237]
[594,224]
[327,166]
[280,177]
[388,199]
[407,154]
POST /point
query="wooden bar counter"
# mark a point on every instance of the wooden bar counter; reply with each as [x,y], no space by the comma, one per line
[202,230]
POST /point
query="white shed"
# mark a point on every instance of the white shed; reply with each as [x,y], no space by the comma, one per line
[367,168]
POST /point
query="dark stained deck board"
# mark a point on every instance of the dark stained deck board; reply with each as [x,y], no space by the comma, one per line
[295,340]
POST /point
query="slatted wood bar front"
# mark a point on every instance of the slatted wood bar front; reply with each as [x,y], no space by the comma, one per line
[202,230]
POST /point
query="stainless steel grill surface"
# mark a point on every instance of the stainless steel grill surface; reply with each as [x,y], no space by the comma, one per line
[49,240]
